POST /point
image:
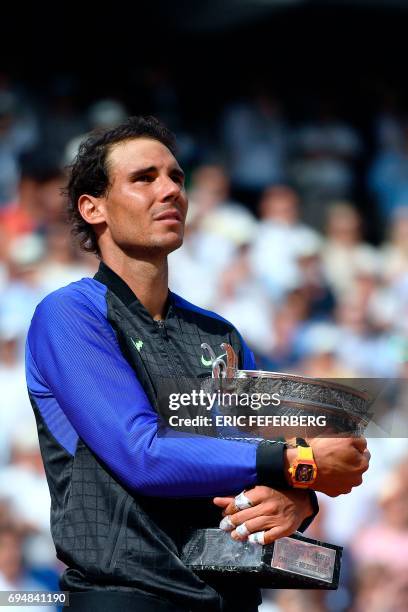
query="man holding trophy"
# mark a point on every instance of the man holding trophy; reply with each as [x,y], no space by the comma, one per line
[125,487]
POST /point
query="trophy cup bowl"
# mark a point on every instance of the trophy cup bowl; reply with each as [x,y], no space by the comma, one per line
[345,409]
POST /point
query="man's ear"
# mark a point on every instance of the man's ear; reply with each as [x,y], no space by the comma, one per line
[91,209]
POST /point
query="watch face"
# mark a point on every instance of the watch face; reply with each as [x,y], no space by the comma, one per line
[304,473]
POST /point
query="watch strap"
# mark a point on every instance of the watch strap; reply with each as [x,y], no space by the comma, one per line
[305,452]
[301,442]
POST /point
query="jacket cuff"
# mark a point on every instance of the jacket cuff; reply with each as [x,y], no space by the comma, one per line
[270,465]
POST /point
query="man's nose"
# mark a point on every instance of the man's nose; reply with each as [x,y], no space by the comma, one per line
[169,188]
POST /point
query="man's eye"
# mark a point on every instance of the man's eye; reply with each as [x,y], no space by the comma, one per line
[145,178]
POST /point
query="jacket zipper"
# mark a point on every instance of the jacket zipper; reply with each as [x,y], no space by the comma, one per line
[162,328]
[161,324]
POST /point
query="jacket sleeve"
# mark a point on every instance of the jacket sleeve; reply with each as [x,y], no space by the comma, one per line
[76,372]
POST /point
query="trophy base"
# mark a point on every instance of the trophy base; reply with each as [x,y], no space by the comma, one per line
[294,562]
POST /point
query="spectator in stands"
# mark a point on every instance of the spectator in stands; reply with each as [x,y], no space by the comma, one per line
[15,406]
[101,114]
[381,549]
[62,118]
[18,134]
[14,576]
[324,151]
[39,201]
[62,263]
[276,245]
[217,227]
[388,177]
[394,251]
[254,134]
[312,280]
[344,253]
[386,542]
[288,321]
[239,295]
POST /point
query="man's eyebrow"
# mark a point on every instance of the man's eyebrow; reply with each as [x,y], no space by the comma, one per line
[179,172]
[139,171]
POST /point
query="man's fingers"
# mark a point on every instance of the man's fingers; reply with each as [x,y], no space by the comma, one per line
[257,538]
[227,524]
[255,496]
[262,523]
[360,443]
[272,530]
[277,532]
[243,515]
[363,462]
[222,502]
[231,509]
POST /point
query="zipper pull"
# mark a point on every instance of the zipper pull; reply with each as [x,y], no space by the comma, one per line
[162,328]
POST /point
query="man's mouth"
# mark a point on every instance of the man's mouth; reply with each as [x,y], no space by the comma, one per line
[169,215]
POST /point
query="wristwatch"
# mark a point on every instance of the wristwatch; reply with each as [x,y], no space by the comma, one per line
[303,471]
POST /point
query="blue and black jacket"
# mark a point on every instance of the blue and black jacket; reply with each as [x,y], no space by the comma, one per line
[122,495]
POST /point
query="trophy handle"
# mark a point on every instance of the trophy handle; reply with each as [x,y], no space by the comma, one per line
[232,360]
[220,367]
[217,363]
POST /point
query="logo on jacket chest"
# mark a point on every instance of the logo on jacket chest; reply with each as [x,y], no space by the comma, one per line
[138,344]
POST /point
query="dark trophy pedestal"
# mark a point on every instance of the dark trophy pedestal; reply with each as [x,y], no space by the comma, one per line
[293,562]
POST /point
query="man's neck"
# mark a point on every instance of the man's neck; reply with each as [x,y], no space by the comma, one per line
[147,279]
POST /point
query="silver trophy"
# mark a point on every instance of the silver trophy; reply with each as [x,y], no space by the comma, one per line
[341,408]
[295,561]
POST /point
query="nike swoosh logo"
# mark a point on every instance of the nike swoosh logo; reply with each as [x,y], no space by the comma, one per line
[206,362]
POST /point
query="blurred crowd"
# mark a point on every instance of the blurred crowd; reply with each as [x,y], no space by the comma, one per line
[276,242]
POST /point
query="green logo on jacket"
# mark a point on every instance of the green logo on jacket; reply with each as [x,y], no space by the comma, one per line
[137,344]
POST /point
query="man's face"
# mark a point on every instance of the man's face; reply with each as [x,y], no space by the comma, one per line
[146,204]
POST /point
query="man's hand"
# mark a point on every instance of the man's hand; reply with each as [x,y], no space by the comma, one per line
[341,463]
[278,513]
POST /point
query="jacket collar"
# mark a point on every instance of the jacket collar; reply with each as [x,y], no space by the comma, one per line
[117,285]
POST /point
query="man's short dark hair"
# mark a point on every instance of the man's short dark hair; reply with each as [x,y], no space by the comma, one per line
[89,173]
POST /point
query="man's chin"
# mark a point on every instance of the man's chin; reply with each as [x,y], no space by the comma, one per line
[170,243]
[174,247]
[157,243]
[161,247]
